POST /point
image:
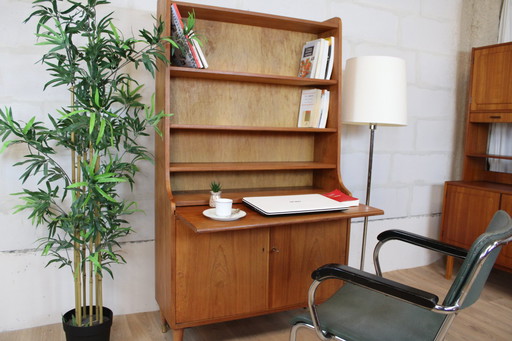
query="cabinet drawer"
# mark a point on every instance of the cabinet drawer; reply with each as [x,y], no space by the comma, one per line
[490,117]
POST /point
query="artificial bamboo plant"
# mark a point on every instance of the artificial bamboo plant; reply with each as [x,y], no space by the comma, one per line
[80,205]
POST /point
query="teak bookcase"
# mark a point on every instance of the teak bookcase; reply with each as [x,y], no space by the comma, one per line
[470,204]
[236,122]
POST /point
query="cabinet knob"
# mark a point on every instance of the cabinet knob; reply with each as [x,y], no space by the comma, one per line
[275,249]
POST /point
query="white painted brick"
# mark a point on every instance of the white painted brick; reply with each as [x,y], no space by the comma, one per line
[368,24]
[12,14]
[354,170]
[441,9]
[429,35]
[437,70]
[400,6]
[305,9]
[435,135]
[427,199]
[421,169]
[395,139]
[432,103]
[393,200]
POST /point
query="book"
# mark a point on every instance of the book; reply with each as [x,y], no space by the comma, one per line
[330,58]
[186,55]
[310,107]
[309,59]
[323,59]
[200,53]
[342,197]
[324,108]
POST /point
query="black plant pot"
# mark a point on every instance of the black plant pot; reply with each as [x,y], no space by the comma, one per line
[100,332]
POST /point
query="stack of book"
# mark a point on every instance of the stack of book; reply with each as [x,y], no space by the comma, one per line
[317,59]
[190,54]
[314,108]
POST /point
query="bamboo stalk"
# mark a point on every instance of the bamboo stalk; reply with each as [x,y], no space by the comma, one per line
[91,285]
[76,254]
[99,285]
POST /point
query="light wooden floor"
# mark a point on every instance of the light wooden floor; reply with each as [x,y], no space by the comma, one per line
[489,319]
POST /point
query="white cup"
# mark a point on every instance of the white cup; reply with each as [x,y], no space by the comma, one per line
[223,207]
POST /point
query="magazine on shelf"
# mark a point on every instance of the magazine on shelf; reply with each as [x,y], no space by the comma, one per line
[188,54]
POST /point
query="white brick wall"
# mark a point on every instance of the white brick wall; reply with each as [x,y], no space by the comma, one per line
[410,166]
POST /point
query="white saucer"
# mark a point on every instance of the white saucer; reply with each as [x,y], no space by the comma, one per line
[235,214]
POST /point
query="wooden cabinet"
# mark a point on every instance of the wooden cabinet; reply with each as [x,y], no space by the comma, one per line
[236,122]
[468,208]
[470,204]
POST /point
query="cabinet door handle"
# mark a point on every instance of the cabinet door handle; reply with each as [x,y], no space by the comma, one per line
[275,250]
[495,116]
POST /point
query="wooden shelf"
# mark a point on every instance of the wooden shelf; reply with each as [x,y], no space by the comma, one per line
[257,19]
[489,156]
[247,166]
[249,129]
[185,72]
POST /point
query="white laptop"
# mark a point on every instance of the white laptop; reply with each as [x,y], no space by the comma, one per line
[294,204]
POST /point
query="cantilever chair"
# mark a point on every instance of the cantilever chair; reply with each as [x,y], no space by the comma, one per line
[370,307]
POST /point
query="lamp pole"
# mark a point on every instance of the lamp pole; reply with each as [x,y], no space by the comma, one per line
[373,127]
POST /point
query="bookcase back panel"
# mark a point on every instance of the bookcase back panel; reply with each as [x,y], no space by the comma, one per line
[224,103]
[252,49]
[241,180]
[201,146]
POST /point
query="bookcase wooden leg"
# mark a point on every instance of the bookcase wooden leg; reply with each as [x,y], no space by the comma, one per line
[163,323]
[449,267]
[177,334]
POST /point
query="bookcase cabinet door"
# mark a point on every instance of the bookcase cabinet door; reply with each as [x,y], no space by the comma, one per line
[296,251]
[491,85]
[220,274]
[467,213]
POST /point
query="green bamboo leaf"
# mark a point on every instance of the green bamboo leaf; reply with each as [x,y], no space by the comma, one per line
[5,145]
[108,180]
[29,125]
[74,112]
[92,122]
[105,195]
[102,130]
[114,30]
[94,260]
[77,185]
[97,98]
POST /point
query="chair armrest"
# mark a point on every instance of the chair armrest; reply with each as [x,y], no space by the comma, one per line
[380,284]
[428,243]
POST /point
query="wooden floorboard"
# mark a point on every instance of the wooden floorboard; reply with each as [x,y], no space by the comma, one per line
[488,319]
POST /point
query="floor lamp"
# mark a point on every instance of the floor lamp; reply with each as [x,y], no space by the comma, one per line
[374,93]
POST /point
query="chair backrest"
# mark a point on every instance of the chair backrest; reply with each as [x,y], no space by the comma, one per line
[475,269]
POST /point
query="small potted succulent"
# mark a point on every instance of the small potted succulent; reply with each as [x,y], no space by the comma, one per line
[215,192]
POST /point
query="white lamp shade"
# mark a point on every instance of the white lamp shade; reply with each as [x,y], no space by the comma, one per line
[374,91]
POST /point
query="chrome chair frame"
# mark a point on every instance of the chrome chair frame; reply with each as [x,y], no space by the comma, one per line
[394,289]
